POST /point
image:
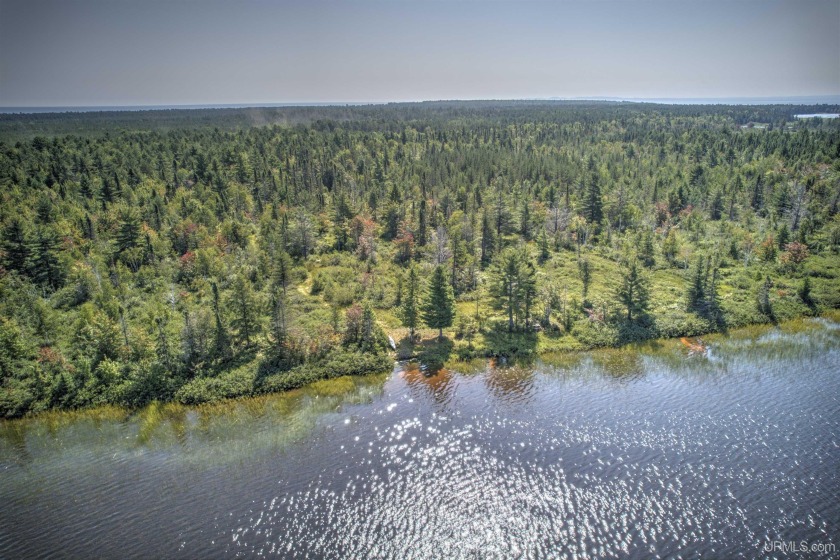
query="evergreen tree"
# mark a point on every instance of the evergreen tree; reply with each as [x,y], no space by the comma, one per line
[409,311]
[763,299]
[757,199]
[645,244]
[670,246]
[592,204]
[84,187]
[585,270]
[513,285]
[44,265]
[784,237]
[370,330]
[439,308]
[422,225]
[529,288]
[15,246]
[543,246]
[243,305]
[696,295]
[162,346]
[633,292]
[129,230]
[716,206]
[278,318]
[525,221]
[804,292]
[488,242]
[713,295]
[282,270]
[221,340]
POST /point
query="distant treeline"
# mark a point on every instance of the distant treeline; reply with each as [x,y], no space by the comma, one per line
[390,116]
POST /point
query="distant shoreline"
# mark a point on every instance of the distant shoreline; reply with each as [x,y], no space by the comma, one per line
[794,100]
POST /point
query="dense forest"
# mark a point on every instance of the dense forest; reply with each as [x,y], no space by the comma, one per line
[198,255]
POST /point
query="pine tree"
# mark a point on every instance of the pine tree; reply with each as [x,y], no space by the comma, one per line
[592,203]
[439,308]
[221,341]
[696,295]
[44,265]
[525,221]
[513,285]
[244,307]
[757,199]
[487,239]
[129,230]
[804,292]
[670,246]
[16,246]
[763,298]
[716,206]
[528,281]
[84,187]
[585,270]
[278,318]
[282,270]
[645,243]
[408,311]
[422,226]
[543,246]
[369,329]
[784,237]
[713,295]
[162,346]
[633,292]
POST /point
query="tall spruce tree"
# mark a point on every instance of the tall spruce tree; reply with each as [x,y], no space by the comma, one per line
[593,209]
[439,308]
[409,311]
[513,285]
[221,340]
[15,246]
[488,239]
[633,292]
[243,305]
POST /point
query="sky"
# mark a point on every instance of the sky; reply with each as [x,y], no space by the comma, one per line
[119,52]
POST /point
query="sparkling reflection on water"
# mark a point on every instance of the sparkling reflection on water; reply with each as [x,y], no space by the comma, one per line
[623,453]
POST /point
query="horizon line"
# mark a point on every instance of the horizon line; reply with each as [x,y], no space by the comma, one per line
[825,99]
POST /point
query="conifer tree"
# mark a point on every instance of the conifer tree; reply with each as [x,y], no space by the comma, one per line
[244,306]
[129,231]
[543,246]
[439,308]
[633,292]
[409,311]
[282,270]
[585,270]
[422,226]
[15,246]
[221,341]
[44,265]
[696,295]
[488,241]
[513,285]
[592,203]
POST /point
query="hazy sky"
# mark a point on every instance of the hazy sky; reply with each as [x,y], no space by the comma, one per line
[113,52]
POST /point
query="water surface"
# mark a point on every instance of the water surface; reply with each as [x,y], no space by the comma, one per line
[640,452]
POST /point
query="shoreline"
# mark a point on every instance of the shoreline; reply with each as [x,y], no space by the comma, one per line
[316,375]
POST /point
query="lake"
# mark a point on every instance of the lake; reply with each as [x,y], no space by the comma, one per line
[819,116]
[649,451]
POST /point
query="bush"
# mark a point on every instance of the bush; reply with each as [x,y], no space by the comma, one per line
[337,364]
[236,383]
